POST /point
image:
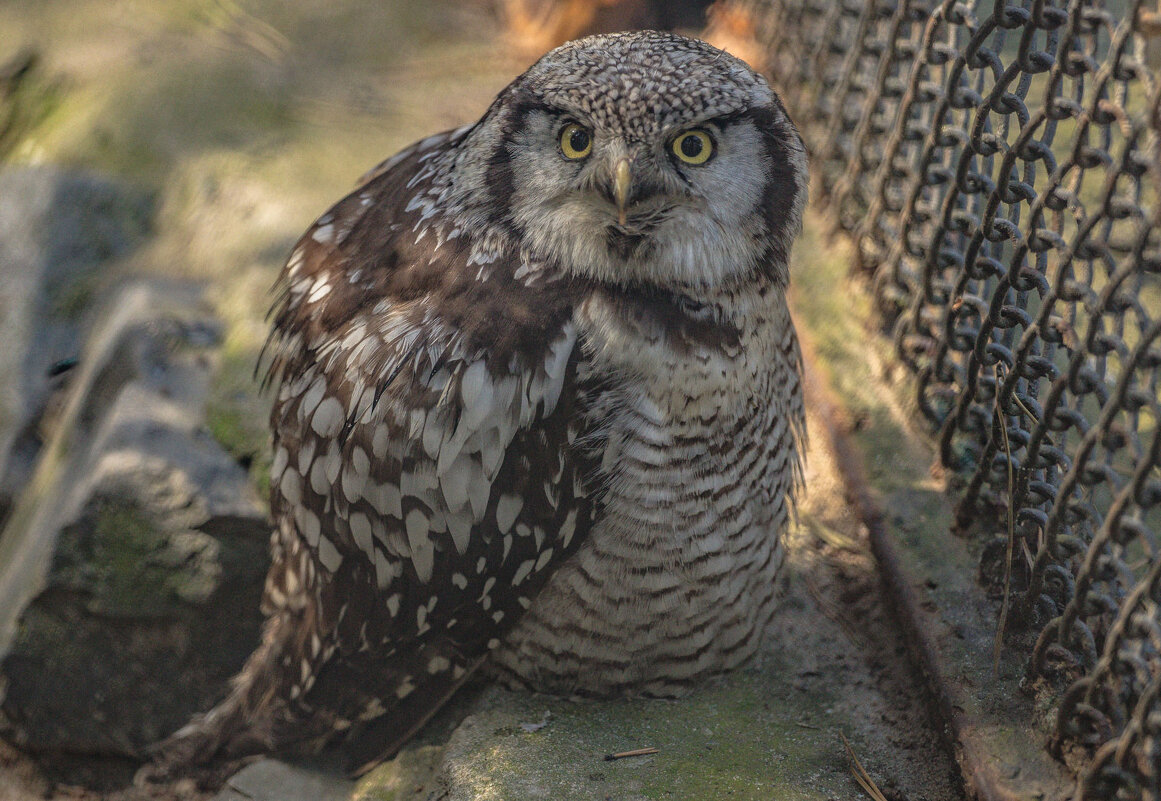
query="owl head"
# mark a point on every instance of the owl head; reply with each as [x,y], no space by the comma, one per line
[644,158]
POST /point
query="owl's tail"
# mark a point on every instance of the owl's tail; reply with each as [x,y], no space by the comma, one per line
[292,696]
[258,716]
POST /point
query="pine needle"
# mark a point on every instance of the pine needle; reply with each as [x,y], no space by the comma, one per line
[861,776]
[633,753]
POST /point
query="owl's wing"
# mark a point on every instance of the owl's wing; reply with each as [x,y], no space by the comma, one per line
[425,478]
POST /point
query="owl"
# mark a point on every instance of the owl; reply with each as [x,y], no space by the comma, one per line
[538,406]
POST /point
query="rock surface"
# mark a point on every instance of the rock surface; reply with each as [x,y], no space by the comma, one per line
[57,230]
[131,567]
[271,780]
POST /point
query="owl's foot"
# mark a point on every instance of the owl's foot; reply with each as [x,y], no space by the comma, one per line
[207,778]
[209,749]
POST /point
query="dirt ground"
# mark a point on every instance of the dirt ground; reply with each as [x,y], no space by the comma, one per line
[882,698]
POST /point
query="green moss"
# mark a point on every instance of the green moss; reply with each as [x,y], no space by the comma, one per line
[834,312]
[71,300]
[237,414]
[749,736]
[120,570]
[124,561]
[404,778]
[27,98]
[45,637]
[705,757]
[243,440]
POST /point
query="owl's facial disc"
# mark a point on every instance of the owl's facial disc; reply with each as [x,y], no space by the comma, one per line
[680,203]
[643,159]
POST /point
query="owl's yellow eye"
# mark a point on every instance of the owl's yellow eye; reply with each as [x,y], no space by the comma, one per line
[693,147]
[575,141]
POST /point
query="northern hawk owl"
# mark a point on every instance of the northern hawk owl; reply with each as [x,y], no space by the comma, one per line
[538,404]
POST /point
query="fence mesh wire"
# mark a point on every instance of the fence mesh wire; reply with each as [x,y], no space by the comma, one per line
[997,164]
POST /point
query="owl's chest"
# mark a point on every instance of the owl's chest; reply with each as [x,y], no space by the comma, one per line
[679,368]
[680,413]
[693,469]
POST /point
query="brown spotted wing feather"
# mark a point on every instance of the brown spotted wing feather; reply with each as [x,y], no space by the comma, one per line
[424,481]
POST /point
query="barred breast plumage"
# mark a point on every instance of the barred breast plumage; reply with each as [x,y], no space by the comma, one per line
[698,458]
[537,406]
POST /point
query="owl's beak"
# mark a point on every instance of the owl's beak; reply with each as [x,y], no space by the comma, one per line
[622,183]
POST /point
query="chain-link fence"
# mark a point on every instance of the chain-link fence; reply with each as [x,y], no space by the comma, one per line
[997,164]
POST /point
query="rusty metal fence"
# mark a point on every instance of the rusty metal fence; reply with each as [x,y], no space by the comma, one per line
[997,165]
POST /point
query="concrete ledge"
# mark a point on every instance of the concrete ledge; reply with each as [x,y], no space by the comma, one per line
[896,488]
